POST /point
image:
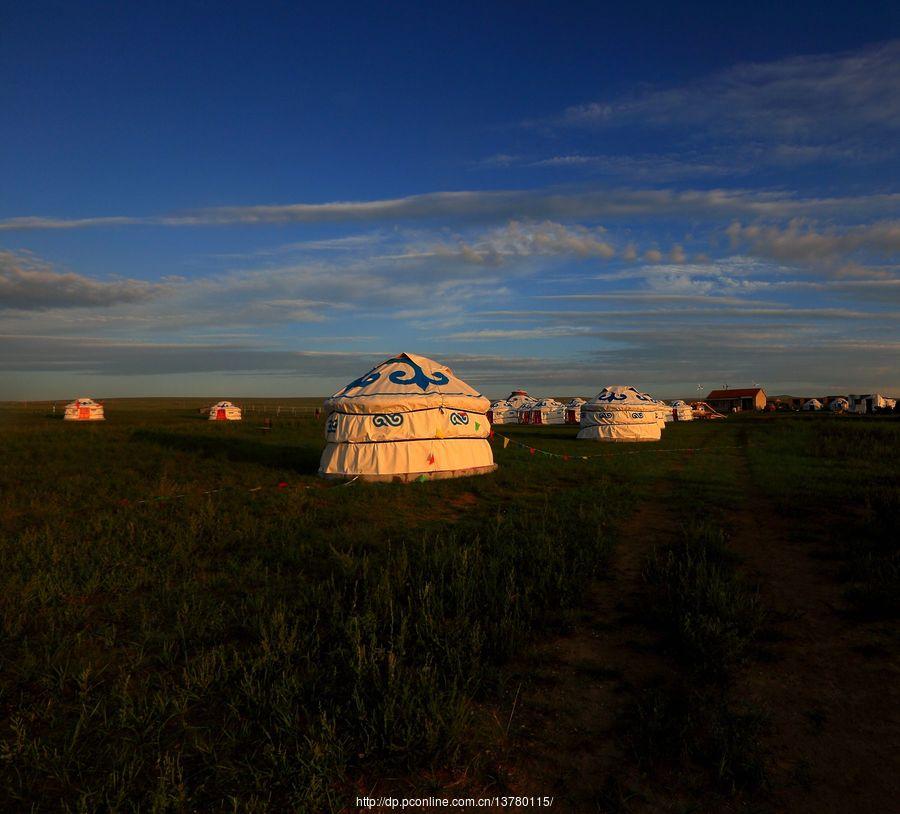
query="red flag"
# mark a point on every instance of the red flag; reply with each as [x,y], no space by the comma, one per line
[431,459]
[565,457]
[531,450]
[282,485]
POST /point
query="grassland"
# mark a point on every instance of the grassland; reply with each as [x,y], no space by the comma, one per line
[191,620]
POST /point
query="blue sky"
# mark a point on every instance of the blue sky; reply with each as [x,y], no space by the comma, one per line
[259,199]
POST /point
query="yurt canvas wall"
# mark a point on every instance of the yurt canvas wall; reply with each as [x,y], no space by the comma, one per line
[839,405]
[548,411]
[813,404]
[409,418]
[620,413]
[84,409]
[502,412]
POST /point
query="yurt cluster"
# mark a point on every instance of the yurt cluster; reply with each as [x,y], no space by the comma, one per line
[412,419]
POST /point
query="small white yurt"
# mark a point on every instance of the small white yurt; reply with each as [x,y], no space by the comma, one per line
[84,410]
[682,411]
[573,411]
[548,411]
[523,411]
[518,398]
[502,412]
[813,404]
[224,411]
[839,405]
[620,413]
[409,418]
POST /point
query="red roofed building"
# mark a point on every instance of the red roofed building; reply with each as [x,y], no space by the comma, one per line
[731,401]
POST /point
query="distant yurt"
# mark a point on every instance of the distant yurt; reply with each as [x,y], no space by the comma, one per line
[224,411]
[620,413]
[502,412]
[573,411]
[523,411]
[813,404]
[519,398]
[839,405]
[409,418]
[84,410]
[548,411]
[682,411]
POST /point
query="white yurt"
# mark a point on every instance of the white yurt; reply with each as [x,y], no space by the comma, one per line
[84,410]
[620,413]
[839,405]
[224,411]
[682,411]
[813,404]
[548,411]
[502,412]
[573,411]
[523,411]
[518,398]
[409,418]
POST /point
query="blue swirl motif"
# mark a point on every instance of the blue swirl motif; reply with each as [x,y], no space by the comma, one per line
[387,420]
[637,415]
[362,381]
[418,377]
[459,418]
[332,425]
[612,397]
[606,415]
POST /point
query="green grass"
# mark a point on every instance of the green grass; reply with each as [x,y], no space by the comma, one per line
[258,650]
[711,619]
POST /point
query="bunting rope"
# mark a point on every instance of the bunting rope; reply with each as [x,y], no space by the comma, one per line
[566,457]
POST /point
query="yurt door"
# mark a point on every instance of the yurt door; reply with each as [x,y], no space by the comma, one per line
[84,413]
[220,414]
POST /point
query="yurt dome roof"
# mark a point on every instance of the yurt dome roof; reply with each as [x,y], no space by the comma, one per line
[404,383]
[620,396]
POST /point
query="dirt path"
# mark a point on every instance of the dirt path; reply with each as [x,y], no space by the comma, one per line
[833,689]
[564,734]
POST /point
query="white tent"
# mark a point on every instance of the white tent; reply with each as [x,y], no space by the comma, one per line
[573,410]
[548,411]
[224,411]
[519,398]
[813,404]
[406,419]
[620,413]
[682,411]
[523,411]
[84,410]
[502,412]
[839,405]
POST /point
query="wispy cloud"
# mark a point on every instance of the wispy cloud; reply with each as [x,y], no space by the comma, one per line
[805,103]
[502,205]
[27,284]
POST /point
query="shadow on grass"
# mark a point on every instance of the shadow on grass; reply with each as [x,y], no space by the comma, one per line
[301,459]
